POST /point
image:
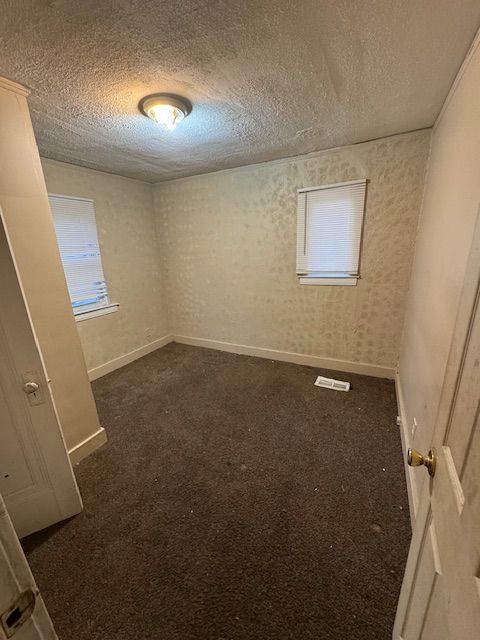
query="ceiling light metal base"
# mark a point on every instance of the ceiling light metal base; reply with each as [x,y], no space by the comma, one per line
[170,99]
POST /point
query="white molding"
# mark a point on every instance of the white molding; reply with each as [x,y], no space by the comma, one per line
[333,185]
[320,281]
[363,368]
[90,444]
[87,446]
[121,361]
[406,443]
[96,313]
[10,85]
[61,195]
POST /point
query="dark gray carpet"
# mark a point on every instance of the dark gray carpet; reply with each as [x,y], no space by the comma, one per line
[234,501]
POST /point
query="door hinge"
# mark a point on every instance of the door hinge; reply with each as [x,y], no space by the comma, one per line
[18,612]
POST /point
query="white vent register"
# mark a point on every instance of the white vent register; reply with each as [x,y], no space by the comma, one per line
[329,232]
[331,383]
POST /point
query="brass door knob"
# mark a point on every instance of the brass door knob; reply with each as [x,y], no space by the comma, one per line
[415,459]
[30,387]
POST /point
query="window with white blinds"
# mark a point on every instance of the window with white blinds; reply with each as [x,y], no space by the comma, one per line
[329,231]
[76,230]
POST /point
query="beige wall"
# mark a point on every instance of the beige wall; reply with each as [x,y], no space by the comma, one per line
[126,232]
[227,244]
[450,209]
[29,228]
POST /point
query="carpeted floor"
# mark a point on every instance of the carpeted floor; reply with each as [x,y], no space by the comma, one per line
[234,501]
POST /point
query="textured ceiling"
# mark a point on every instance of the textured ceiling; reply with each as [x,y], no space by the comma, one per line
[267,79]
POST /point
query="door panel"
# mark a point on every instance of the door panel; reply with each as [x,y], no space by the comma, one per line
[440,596]
[456,550]
[425,582]
[36,476]
[15,473]
[15,578]
[461,427]
[435,619]
[470,480]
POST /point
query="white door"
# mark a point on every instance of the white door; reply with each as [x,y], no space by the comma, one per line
[36,477]
[22,611]
[440,596]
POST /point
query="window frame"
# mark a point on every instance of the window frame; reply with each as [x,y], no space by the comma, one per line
[88,310]
[328,278]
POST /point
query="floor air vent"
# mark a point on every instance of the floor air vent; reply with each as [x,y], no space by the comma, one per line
[330,383]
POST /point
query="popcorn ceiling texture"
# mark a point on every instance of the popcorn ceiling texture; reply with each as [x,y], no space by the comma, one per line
[267,79]
[126,232]
[227,246]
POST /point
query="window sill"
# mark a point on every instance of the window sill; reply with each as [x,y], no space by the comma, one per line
[95,313]
[310,280]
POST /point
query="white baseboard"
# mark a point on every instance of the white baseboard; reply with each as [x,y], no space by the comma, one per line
[121,361]
[99,438]
[87,446]
[406,442]
[379,371]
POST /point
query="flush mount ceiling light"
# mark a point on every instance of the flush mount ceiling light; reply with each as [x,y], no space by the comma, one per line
[166,109]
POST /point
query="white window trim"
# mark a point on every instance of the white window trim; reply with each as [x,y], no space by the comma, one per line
[322,280]
[95,313]
[331,279]
[68,197]
[89,310]
[332,185]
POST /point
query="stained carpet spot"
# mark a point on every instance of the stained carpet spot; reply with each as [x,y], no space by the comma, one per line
[241,509]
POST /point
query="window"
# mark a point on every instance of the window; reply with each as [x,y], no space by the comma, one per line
[74,220]
[329,232]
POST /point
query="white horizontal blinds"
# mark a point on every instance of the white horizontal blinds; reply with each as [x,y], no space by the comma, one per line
[76,230]
[329,229]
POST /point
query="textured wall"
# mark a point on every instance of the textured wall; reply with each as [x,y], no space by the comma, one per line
[227,244]
[450,209]
[130,259]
